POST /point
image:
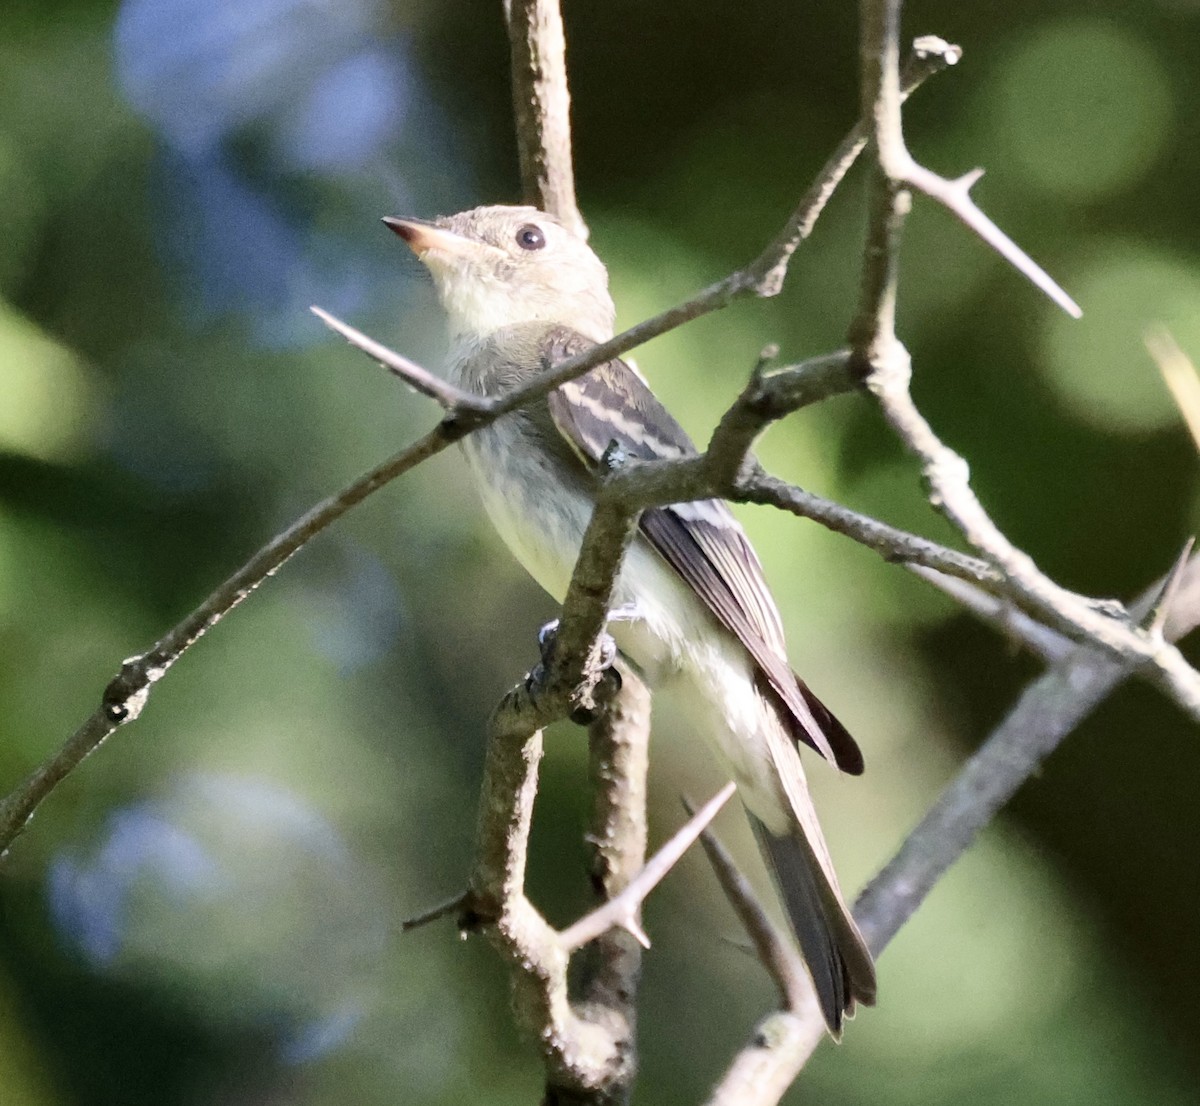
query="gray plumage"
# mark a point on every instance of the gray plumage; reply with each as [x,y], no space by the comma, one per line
[522,292]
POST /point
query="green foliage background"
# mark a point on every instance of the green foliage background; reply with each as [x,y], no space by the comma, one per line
[316,758]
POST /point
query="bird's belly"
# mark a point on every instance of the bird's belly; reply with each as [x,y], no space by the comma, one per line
[540,518]
[673,638]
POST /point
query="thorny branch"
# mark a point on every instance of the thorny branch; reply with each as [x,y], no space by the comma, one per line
[765,1068]
[1047,712]
[587,1045]
[888,374]
[1076,681]
[126,695]
[583,1044]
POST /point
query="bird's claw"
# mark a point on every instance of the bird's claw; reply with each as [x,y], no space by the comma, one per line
[545,638]
[606,653]
[606,671]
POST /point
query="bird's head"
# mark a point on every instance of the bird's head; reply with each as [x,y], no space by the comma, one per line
[495,267]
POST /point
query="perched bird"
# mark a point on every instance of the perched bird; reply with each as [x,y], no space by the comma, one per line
[521,291]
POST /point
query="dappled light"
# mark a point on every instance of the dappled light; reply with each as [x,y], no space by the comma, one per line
[208,910]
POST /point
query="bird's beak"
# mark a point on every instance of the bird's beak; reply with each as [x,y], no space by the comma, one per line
[424,238]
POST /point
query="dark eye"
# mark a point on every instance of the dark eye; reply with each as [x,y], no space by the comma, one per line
[530,237]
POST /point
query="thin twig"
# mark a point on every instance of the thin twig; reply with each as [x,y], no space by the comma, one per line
[892,544]
[624,910]
[999,612]
[930,55]
[126,694]
[873,339]
[1155,619]
[763,1070]
[774,948]
[421,379]
[460,902]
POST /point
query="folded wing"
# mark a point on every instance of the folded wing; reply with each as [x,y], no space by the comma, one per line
[702,541]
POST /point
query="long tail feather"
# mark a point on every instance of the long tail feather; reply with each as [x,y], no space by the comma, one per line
[838,960]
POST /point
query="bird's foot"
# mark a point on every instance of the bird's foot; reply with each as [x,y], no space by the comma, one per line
[606,653]
[602,671]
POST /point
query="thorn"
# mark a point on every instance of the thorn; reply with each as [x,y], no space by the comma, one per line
[968,180]
[765,356]
[622,910]
[639,935]
[459,902]
[1156,617]
[954,195]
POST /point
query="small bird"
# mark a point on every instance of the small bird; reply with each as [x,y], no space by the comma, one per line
[692,608]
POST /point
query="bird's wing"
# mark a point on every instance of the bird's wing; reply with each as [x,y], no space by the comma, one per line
[702,541]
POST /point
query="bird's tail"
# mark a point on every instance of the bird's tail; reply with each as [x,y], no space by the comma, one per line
[837,957]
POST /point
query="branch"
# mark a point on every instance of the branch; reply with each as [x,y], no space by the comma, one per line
[1047,712]
[618,766]
[573,1047]
[1078,617]
[625,909]
[1052,707]
[889,371]
[930,55]
[585,1045]
[542,106]
[126,694]
[418,378]
[763,1070]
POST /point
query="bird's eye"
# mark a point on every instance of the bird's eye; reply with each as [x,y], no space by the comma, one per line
[530,237]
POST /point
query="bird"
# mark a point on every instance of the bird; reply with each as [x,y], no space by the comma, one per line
[692,609]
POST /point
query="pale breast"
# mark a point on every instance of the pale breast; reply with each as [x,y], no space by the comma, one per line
[539,516]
